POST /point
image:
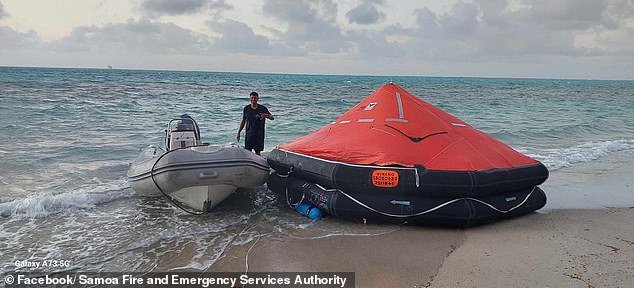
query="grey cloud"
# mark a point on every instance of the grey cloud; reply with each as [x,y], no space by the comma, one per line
[12,39]
[547,27]
[301,11]
[620,9]
[493,12]
[293,11]
[320,36]
[570,14]
[311,25]
[487,28]
[443,36]
[619,43]
[427,22]
[365,13]
[170,7]
[134,36]
[378,2]
[375,43]
[157,8]
[3,13]
[461,20]
[237,36]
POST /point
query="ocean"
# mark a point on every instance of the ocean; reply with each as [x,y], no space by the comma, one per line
[68,136]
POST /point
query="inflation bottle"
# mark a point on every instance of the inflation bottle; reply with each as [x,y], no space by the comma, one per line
[309,211]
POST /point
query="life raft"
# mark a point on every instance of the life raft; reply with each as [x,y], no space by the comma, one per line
[396,158]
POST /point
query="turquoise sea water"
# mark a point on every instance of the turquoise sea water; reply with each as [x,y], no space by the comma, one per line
[68,136]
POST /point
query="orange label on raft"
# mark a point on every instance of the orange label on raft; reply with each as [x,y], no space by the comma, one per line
[384,178]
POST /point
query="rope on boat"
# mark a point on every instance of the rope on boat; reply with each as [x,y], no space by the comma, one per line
[163,192]
[286,178]
[288,199]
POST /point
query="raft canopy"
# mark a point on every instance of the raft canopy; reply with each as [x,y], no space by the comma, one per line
[393,127]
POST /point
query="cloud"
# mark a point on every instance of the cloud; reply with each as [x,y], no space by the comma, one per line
[142,36]
[467,37]
[156,8]
[492,28]
[292,11]
[311,25]
[365,13]
[12,39]
[552,27]
[141,44]
[570,14]
[373,44]
[239,37]
[3,13]
[461,20]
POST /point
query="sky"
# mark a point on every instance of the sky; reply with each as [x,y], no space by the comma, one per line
[573,39]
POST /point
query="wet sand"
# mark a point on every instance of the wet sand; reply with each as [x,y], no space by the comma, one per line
[559,246]
[403,257]
[564,248]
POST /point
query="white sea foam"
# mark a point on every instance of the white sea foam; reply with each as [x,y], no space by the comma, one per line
[339,234]
[42,205]
[566,157]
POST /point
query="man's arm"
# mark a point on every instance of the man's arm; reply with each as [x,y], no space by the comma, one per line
[267,114]
[240,129]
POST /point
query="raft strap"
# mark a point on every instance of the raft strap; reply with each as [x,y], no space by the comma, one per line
[434,208]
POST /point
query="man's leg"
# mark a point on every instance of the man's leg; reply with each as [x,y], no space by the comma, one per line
[258,145]
[248,144]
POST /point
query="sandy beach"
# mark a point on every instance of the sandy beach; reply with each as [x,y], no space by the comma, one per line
[559,246]
[564,248]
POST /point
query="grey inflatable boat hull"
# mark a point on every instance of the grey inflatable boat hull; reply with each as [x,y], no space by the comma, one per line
[199,177]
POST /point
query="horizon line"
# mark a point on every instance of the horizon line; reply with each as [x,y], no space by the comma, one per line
[110,67]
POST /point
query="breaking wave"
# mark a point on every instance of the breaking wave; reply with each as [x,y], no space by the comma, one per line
[42,205]
[566,157]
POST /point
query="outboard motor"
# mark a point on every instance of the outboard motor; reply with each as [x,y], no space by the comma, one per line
[182,133]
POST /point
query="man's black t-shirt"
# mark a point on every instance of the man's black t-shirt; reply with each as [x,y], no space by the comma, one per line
[255,127]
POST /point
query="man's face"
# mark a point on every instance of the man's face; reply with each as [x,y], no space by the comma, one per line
[254,99]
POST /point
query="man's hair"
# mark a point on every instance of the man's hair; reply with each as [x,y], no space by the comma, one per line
[254,94]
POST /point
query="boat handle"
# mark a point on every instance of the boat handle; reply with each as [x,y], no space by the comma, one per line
[204,175]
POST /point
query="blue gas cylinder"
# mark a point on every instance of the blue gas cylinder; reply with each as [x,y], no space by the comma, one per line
[309,211]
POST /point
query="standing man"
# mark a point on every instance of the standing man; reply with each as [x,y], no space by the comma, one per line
[253,116]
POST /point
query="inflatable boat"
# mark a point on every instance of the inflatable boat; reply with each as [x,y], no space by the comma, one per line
[396,158]
[192,173]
